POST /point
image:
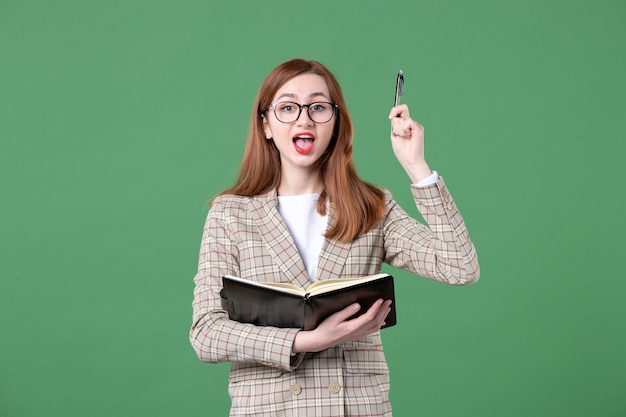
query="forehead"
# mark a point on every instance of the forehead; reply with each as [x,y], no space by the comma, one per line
[303,87]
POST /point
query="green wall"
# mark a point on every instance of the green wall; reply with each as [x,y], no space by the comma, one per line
[120,119]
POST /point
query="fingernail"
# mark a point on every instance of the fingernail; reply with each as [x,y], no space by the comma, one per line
[355,307]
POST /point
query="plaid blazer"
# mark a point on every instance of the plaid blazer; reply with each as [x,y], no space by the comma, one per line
[246,236]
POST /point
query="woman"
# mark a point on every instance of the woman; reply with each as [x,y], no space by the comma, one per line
[299,213]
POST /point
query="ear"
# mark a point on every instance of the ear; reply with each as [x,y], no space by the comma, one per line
[266,128]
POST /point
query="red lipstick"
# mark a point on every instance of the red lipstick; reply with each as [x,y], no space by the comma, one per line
[303,142]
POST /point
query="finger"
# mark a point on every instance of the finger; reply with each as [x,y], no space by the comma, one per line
[364,318]
[383,312]
[372,313]
[375,316]
[399,111]
[406,128]
[400,126]
[406,125]
[346,313]
[401,129]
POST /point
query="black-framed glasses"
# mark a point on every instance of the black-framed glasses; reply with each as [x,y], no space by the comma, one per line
[289,111]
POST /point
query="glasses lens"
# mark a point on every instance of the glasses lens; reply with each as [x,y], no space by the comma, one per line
[321,112]
[287,111]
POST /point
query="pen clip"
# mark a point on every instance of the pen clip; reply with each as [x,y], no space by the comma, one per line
[399,87]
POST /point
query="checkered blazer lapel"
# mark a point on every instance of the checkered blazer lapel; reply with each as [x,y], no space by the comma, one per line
[334,254]
[279,241]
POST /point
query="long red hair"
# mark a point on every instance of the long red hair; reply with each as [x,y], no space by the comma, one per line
[357,205]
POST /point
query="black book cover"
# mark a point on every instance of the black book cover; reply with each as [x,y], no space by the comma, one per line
[263,305]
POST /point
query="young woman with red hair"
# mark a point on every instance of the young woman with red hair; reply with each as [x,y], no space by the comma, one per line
[298,213]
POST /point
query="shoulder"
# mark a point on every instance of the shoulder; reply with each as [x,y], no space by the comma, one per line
[236,205]
[388,199]
[387,196]
[230,200]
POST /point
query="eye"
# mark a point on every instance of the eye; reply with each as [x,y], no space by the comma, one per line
[318,106]
[287,107]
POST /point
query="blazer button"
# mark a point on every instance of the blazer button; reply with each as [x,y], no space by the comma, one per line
[296,389]
[334,387]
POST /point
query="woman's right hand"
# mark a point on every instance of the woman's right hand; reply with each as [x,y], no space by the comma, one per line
[338,329]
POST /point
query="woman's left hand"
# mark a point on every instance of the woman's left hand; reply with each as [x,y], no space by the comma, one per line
[407,141]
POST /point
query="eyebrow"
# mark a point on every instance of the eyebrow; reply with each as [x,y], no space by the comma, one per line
[294,96]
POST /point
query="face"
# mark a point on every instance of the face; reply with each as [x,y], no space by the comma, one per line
[302,142]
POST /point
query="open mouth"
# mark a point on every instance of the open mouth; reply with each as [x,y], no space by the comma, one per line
[304,142]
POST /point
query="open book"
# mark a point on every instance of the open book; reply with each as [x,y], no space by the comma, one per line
[286,305]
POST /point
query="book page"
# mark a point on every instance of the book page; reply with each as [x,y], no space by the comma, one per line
[321,287]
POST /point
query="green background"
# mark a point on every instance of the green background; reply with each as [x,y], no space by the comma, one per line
[119,120]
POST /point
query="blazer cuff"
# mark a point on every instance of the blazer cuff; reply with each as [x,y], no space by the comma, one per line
[277,353]
[296,360]
[434,198]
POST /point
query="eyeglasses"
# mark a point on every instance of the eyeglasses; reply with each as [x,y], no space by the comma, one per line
[289,111]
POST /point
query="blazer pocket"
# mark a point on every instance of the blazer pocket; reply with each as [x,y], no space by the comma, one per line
[255,389]
[253,373]
[367,361]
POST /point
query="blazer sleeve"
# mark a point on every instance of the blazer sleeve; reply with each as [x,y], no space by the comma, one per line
[215,337]
[443,250]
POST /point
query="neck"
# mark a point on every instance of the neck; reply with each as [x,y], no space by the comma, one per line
[297,183]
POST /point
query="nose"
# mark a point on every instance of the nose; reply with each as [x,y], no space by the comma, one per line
[304,117]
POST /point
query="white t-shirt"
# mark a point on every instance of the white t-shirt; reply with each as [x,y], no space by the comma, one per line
[306,225]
